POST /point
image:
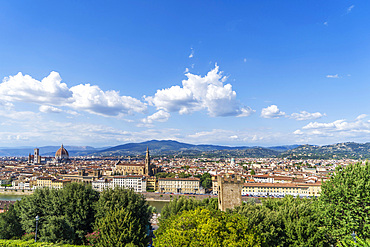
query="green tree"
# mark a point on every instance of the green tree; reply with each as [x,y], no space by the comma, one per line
[287,222]
[207,183]
[66,215]
[253,172]
[10,226]
[181,204]
[120,228]
[118,198]
[345,200]
[204,227]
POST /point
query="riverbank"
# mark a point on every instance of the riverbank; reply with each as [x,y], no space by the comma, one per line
[149,196]
[152,196]
[15,193]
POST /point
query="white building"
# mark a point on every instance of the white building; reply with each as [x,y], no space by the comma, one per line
[135,182]
[102,184]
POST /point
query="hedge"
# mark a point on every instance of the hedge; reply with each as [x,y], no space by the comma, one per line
[22,243]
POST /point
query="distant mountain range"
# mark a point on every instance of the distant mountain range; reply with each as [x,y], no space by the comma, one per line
[169,147]
[349,150]
[47,151]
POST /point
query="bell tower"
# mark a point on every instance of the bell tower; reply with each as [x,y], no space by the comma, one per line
[148,167]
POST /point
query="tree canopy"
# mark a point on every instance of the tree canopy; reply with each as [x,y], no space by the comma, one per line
[10,226]
[181,204]
[286,222]
[345,201]
[134,203]
[118,228]
[205,227]
[66,215]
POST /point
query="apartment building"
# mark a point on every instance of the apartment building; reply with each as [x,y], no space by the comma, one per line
[281,189]
[180,185]
[135,182]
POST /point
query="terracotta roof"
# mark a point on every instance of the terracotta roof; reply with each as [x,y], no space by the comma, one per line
[62,152]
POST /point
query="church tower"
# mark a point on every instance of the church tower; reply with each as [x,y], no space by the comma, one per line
[148,167]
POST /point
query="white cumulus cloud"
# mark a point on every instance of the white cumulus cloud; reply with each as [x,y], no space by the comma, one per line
[198,93]
[272,112]
[49,109]
[159,116]
[92,99]
[304,115]
[26,89]
[51,92]
[359,128]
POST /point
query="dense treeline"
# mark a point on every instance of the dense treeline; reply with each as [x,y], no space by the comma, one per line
[77,214]
[340,214]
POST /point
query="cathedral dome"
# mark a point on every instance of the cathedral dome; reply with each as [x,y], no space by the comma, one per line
[62,153]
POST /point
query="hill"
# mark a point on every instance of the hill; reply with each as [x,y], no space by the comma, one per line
[347,150]
[169,147]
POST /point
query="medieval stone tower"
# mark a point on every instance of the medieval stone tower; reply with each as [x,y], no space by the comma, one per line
[148,167]
[229,192]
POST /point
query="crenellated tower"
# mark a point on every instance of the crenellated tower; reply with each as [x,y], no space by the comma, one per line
[229,192]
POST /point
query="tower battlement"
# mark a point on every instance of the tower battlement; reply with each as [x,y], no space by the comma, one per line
[230,179]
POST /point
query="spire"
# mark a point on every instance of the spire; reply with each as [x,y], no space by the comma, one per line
[148,169]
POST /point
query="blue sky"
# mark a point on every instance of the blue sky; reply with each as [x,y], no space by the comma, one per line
[217,72]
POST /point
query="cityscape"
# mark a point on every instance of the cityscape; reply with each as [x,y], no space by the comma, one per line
[184,123]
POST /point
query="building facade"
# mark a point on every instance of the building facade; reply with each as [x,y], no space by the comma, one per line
[134,182]
[180,185]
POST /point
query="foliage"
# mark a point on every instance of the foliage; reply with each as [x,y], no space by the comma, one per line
[180,204]
[351,243]
[92,238]
[66,215]
[118,198]
[118,228]
[28,236]
[206,180]
[286,222]
[253,172]
[31,243]
[346,201]
[204,227]
[10,226]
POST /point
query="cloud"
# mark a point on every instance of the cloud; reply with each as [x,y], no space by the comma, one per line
[336,76]
[303,115]
[92,99]
[159,116]
[362,116]
[358,128]
[245,60]
[191,53]
[272,112]
[325,23]
[26,89]
[349,9]
[7,111]
[49,109]
[51,92]
[198,93]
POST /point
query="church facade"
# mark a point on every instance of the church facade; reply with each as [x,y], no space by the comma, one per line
[146,169]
